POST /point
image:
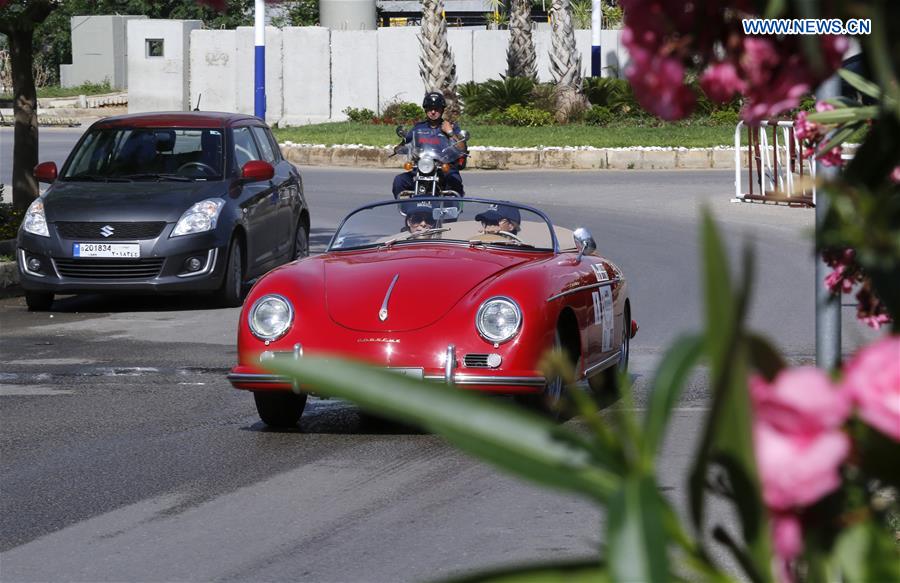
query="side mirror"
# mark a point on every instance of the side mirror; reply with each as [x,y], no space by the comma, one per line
[46,172]
[463,135]
[256,170]
[401,132]
[584,242]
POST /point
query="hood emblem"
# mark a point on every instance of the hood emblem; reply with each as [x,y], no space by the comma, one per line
[383,313]
[107,231]
[387,340]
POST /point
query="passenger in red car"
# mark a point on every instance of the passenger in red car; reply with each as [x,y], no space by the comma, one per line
[503,218]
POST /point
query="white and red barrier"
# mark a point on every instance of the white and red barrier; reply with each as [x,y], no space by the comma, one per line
[775,171]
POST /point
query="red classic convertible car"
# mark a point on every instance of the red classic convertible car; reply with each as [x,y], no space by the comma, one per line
[470,293]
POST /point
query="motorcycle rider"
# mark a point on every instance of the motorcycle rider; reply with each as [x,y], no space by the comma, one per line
[434,105]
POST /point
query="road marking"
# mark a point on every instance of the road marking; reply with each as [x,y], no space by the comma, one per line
[31,391]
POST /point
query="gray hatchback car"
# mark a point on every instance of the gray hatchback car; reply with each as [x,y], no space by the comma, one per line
[163,203]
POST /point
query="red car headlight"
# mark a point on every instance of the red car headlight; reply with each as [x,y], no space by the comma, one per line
[498,319]
[271,317]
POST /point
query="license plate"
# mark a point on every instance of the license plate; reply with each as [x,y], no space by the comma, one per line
[417,373]
[107,250]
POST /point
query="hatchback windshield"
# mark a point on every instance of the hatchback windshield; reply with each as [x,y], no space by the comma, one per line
[418,220]
[136,153]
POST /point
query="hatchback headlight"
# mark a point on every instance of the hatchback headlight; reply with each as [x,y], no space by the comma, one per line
[498,319]
[426,164]
[200,217]
[35,221]
[271,317]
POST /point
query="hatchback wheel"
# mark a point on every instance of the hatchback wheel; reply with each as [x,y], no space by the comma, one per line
[231,293]
[38,301]
[279,409]
[301,242]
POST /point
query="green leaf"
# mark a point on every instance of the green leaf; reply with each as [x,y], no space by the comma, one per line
[860,83]
[865,553]
[589,571]
[839,137]
[726,437]
[764,357]
[666,389]
[637,541]
[843,115]
[506,436]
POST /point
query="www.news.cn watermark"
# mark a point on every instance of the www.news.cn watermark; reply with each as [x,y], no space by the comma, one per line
[814,26]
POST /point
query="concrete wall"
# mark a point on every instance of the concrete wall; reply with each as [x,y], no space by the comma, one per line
[99,51]
[314,73]
[160,83]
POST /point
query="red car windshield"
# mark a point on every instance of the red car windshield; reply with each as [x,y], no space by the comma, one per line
[469,221]
[110,153]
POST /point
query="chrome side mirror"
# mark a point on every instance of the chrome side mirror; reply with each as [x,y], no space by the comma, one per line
[463,135]
[584,242]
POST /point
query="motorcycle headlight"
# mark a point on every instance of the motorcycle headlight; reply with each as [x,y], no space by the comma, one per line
[35,221]
[200,217]
[498,319]
[426,164]
[271,317]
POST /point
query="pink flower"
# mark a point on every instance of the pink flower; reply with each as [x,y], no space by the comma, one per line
[805,129]
[798,445]
[787,536]
[872,378]
[796,470]
[832,157]
[895,175]
[720,82]
[658,84]
[876,321]
[800,401]
[837,281]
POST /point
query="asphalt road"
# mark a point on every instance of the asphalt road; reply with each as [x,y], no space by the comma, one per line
[126,456]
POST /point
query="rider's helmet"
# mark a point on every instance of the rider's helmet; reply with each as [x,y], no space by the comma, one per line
[434,100]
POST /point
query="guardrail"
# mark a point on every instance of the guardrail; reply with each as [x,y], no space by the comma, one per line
[776,170]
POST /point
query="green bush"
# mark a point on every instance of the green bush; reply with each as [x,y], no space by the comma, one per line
[725,117]
[401,112]
[543,96]
[10,219]
[598,115]
[495,94]
[525,116]
[612,93]
[360,115]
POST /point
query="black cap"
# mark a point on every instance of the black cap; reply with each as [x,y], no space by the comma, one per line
[418,208]
[499,211]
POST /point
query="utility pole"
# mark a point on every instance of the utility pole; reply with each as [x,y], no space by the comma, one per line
[596,21]
[828,307]
[259,93]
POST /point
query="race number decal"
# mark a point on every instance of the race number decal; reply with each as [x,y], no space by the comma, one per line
[598,314]
[600,272]
[608,318]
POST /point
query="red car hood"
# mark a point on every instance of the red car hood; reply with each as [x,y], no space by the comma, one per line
[431,281]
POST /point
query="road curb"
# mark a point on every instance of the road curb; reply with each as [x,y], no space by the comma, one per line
[555,158]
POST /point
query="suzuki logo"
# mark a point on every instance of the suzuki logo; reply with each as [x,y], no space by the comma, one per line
[107,231]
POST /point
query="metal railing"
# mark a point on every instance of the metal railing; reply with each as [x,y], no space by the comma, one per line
[775,170]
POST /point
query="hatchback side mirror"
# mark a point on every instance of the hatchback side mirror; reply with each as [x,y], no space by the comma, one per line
[46,172]
[584,242]
[256,170]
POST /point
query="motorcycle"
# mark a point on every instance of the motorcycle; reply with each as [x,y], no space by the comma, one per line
[430,158]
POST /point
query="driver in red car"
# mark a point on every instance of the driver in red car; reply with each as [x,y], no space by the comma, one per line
[419,218]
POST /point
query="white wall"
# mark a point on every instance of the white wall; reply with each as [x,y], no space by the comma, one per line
[160,83]
[313,73]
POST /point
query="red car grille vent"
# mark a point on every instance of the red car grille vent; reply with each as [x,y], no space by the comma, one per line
[476,361]
[109,268]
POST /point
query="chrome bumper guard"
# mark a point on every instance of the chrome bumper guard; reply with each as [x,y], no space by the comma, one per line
[450,375]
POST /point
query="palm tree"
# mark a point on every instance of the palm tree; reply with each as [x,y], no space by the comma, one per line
[520,56]
[436,64]
[565,62]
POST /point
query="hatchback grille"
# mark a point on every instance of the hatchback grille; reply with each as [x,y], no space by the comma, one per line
[476,360]
[132,231]
[109,268]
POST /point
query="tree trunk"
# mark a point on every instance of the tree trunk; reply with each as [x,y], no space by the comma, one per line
[25,145]
[565,63]
[520,56]
[436,64]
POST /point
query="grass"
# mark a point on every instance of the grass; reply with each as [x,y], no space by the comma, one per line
[57,91]
[691,134]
